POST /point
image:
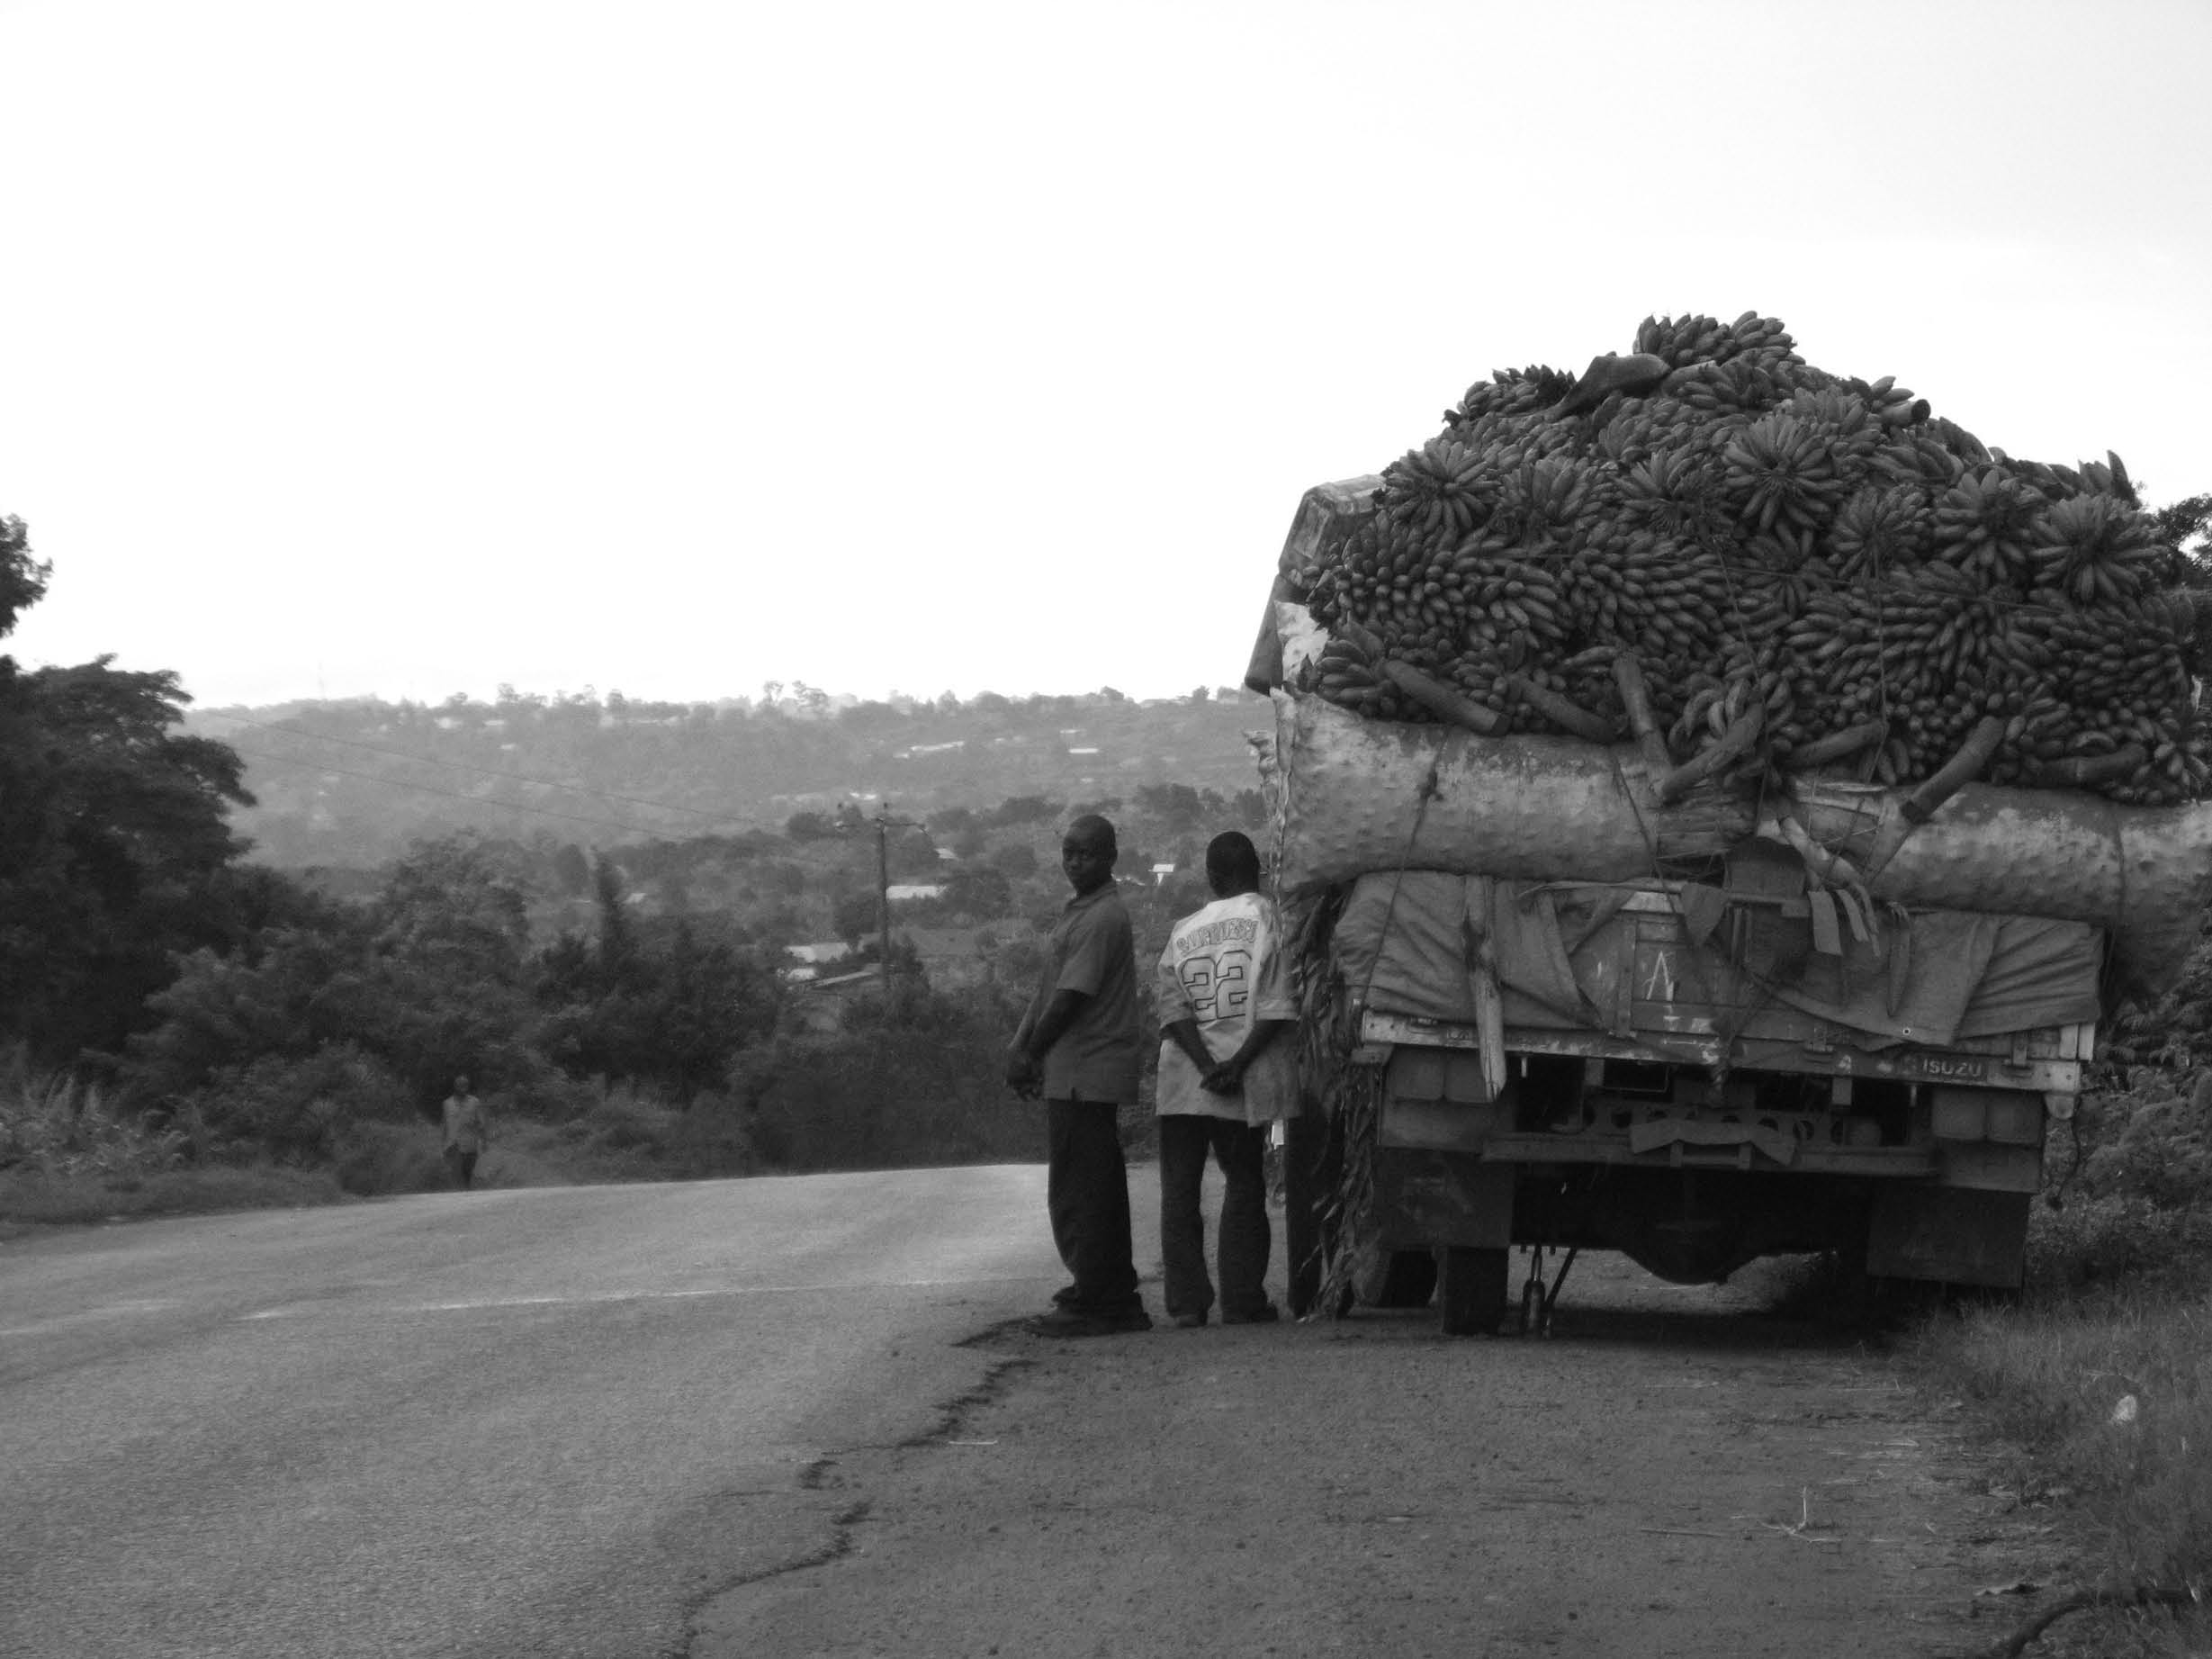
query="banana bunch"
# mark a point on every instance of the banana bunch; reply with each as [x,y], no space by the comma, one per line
[1770,540]
[1881,527]
[1778,470]
[1986,524]
[2096,550]
[1438,489]
[1740,386]
[1543,499]
[1890,404]
[1511,391]
[1346,676]
[1684,341]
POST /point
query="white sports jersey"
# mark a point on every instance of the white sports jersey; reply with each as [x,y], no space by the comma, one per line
[1222,968]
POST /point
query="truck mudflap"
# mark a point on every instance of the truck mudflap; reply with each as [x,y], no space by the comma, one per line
[1424,1198]
[1958,1236]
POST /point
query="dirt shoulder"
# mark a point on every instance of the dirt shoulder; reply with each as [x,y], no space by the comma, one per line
[1672,1471]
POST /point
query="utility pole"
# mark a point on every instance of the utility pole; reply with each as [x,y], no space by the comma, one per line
[884,825]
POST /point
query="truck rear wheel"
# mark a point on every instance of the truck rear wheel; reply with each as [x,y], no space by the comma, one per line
[1471,1287]
[1397,1280]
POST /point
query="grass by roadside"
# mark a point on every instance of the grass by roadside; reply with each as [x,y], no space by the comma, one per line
[2096,1389]
[42,1200]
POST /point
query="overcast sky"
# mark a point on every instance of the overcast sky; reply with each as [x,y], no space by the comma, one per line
[671,348]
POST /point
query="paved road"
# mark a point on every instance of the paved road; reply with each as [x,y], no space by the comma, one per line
[544,1422]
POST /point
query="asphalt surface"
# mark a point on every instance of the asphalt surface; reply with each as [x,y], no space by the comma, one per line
[540,1422]
[1677,1473]
[787,1418]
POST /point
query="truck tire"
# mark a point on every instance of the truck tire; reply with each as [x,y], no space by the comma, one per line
[1471,1290]
[1398,1279]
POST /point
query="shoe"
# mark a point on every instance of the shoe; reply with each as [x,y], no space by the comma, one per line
[1266,1313]
[1189,1322]
[1063,1297]
[1069,1323]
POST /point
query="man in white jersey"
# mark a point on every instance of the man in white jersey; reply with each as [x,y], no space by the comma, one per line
[1228,1070]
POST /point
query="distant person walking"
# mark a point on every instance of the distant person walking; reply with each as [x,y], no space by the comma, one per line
[467,1131]
[1228,1071]
[1078,1047]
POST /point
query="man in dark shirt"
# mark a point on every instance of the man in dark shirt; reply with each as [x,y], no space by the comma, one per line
[1078,1047]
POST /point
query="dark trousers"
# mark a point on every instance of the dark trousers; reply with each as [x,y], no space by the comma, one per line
[461,1164]
[1087,1193]
[1242,1244]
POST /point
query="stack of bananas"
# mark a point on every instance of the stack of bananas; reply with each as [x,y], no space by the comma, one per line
[1763,534]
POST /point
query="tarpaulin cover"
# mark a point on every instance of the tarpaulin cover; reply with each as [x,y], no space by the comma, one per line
[1404,940]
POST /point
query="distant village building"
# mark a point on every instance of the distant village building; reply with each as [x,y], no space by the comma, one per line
[1160,872]
[821,1010]
[807,961]
[909,892]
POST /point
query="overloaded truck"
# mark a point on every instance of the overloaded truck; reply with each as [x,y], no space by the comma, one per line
[1715,802]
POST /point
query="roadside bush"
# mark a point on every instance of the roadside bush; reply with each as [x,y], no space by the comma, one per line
[69,1155]
[295,1110]
[619,1131]
[2126,1179]
[54,1124]
[2154,1144]
[377,1160]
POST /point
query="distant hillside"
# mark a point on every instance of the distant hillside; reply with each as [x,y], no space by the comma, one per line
[348,784]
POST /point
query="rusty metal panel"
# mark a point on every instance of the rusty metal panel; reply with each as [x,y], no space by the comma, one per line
[1986,1167]
[1441,1125]
[1418,1073]
[1464,1080]
[1777,1039]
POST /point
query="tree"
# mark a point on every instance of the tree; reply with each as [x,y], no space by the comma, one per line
[330,1012]
[451,936]
[912,853]
[1016,859]
[854,918]
[1176,805]
[673,1017]
[22,579]
[2186,526]
[113,845]
[979,892]
[1019,809]
[571,869]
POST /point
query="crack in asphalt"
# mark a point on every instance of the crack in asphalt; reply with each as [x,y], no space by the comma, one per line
[952,1416]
